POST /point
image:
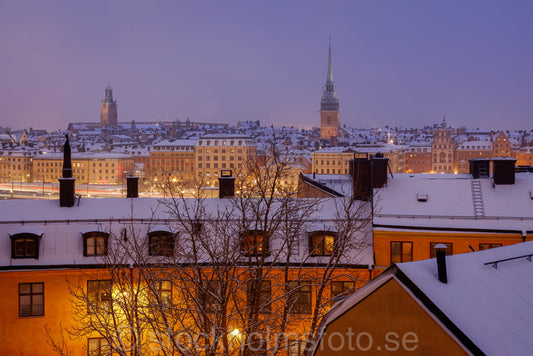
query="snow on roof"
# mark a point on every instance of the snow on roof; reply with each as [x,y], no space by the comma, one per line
[449,202]
[83,155]
[177,143]
[492,306]
[59,224]
[475,145]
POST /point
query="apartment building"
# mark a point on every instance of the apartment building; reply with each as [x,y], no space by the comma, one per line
[87,167]
[417,159]
[172,161]
[215,152]
[472,150]
[16,166]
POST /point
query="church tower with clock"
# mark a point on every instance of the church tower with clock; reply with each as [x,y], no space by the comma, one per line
[329,106]
[108,109]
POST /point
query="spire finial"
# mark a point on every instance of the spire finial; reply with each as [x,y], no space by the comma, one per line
[330,71]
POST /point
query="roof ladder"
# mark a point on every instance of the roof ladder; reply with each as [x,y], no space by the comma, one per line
[477,198]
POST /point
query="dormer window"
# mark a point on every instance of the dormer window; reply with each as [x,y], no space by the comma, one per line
[25,245]
[161,243]
[254,243]
[322,243]
[95,243]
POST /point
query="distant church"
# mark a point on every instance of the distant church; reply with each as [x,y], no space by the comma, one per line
[329,106]
[108,109]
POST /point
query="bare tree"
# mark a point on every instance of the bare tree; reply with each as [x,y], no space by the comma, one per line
[247,275]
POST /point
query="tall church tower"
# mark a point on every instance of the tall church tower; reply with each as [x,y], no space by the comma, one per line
[329,106]
[108,109]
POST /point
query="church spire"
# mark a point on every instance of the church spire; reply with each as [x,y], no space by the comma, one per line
[329,105]
[329,79]
[330,101]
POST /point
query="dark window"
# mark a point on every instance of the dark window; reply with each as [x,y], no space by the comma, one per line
[95,243]
[401,251]
[254,243]
[25,245]
[340,289]
[209,295]
[259,295]
[31,299]
[99,296]
[321,243]
[487,246]
[433,250]
[98,346]
[299,297]
[161,243]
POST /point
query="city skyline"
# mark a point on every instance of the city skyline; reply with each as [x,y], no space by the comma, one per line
[398,64]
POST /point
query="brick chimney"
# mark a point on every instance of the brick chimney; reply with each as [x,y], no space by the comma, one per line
[67,182]
[367,174]
[503,170]
[132,184]
[226,184]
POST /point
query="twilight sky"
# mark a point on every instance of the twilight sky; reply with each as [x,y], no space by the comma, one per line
[399,63]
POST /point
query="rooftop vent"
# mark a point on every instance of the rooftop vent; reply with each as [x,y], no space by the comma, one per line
[422,197]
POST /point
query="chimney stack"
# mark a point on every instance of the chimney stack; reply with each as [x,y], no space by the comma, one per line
[226,184]
[441,263]
[67,182]
[132,184]
[503,170]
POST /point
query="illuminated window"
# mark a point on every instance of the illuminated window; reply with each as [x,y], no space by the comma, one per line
[98,346]
[99,296]
[25,245]
[31,299]
[254,242]
[433,250]
[161,243]
[322,243]
[95,243]
[299,297]
[401,251]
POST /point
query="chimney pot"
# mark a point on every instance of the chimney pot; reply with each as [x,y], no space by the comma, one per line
[441,263]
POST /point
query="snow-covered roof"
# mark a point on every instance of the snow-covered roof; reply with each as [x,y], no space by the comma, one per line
[447,201]
[492,306]
[61,227]
[490,303]
[83,155]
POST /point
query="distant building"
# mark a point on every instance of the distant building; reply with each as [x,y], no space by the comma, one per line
[472,150]
[215,152]
[329,107]
[501,146]
[444,151]
[92,168]
[173,161]
[108,109]
[417,159]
